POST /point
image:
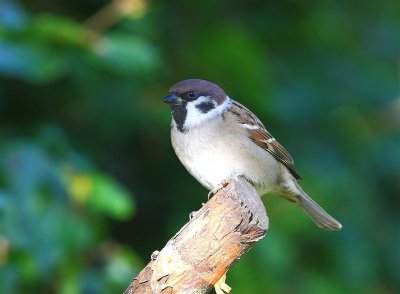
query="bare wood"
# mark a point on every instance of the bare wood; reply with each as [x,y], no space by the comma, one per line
[196,258]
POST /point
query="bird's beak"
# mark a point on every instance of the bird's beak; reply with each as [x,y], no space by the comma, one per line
[172,99]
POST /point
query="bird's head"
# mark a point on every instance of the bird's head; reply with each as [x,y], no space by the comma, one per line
[194,102]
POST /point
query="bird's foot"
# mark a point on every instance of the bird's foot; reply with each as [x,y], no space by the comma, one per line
[154,255]
[214,191]
[221,287]
[192,214]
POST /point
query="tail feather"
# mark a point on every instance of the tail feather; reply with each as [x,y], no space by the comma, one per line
[317,214]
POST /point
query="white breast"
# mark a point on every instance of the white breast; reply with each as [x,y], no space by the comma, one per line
[213,152]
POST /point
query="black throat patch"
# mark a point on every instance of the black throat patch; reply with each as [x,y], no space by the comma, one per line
[179,113]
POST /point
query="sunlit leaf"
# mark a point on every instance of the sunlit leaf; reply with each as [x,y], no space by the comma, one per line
[109,197]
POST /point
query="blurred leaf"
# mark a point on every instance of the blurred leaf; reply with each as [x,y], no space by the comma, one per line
[125,54]
[57,32]
[45,231]
[11,15]
[43,50]
[123,266]
[102,194]
[29,62]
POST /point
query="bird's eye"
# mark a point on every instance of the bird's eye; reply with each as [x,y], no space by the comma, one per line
[191,94]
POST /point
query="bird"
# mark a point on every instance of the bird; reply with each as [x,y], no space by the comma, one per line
[217,139]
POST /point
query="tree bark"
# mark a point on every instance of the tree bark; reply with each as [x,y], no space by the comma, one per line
[196,258]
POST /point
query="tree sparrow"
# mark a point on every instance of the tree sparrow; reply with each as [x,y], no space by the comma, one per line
[217,139]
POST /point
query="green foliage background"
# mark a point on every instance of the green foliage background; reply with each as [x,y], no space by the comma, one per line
[89,183]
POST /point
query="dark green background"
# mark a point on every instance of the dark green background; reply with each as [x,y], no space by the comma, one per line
[90,185]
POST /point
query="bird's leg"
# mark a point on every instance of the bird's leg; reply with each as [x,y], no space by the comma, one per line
[221,287]
[214,191]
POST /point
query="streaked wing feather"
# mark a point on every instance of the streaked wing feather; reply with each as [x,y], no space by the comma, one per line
[262,137]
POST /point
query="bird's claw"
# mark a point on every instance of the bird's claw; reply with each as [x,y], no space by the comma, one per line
[221,287]
[154,255]
[192,214]
[214,191]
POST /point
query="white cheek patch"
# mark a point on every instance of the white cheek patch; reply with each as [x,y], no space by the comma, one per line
[195,116]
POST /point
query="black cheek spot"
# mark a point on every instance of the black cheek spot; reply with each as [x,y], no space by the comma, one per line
[205,107]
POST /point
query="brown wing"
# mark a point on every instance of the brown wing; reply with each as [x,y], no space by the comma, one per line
[259,135]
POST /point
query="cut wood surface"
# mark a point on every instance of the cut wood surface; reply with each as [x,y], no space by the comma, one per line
[196,258]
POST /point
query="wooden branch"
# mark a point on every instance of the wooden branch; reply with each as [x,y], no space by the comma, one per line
[196,258]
